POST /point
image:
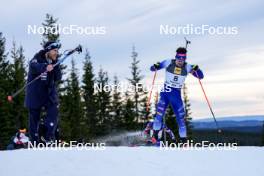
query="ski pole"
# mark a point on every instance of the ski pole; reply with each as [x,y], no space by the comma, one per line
[209,105]
[187,42]
[60,60]
[149,98]
[164,129]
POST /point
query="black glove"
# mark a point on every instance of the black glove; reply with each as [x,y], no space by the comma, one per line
[195,67]
[157,65]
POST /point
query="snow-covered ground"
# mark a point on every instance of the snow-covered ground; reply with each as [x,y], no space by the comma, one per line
[133,161]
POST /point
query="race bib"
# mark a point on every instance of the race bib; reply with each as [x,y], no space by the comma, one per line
[174,80]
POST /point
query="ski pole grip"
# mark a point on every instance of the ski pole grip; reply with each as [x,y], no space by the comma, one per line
[78,49]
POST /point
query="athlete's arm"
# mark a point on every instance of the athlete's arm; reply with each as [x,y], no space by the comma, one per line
[195,71]
[160,65]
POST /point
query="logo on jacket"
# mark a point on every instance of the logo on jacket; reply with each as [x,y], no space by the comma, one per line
[177,70]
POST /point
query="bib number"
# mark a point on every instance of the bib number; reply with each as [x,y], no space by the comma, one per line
[175,81]
[175,78]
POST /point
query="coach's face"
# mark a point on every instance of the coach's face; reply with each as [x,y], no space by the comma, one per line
[53,54]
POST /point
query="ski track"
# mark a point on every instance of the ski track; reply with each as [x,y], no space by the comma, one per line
[133,161]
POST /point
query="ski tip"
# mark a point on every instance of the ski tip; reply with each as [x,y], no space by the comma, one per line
[9,98]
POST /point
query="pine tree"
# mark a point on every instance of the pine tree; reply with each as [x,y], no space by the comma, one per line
[188,113]
[65,115]
[51,29]
[151,115]
[146,115]
[89,97]
[103,103]
[117,106]
[5,88]
[74,112]
[18,75]
[128,113]
[135,81]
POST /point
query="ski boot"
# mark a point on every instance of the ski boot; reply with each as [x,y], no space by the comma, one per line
[155,138]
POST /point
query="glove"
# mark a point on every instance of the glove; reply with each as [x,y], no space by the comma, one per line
[157,65]
[195,67]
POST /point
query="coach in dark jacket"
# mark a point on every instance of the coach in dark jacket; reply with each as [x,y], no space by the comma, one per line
[42,93]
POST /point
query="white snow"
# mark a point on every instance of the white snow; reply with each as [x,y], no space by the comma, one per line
[133,161]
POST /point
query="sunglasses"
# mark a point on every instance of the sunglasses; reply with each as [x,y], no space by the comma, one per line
[180,57]
[53,46]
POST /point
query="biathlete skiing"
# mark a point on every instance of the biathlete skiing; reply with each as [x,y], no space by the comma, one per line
[177,70]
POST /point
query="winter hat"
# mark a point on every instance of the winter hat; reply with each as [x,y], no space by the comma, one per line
[50,45]
[181,54]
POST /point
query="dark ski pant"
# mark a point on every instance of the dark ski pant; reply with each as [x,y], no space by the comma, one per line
[174,98]
[51,122]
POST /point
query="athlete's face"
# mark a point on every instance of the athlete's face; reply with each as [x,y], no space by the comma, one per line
[180,62]
[180,59]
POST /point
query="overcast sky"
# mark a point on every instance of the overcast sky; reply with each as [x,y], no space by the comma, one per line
[233,64]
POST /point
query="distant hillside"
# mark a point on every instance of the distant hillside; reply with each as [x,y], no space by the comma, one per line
[252,124]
